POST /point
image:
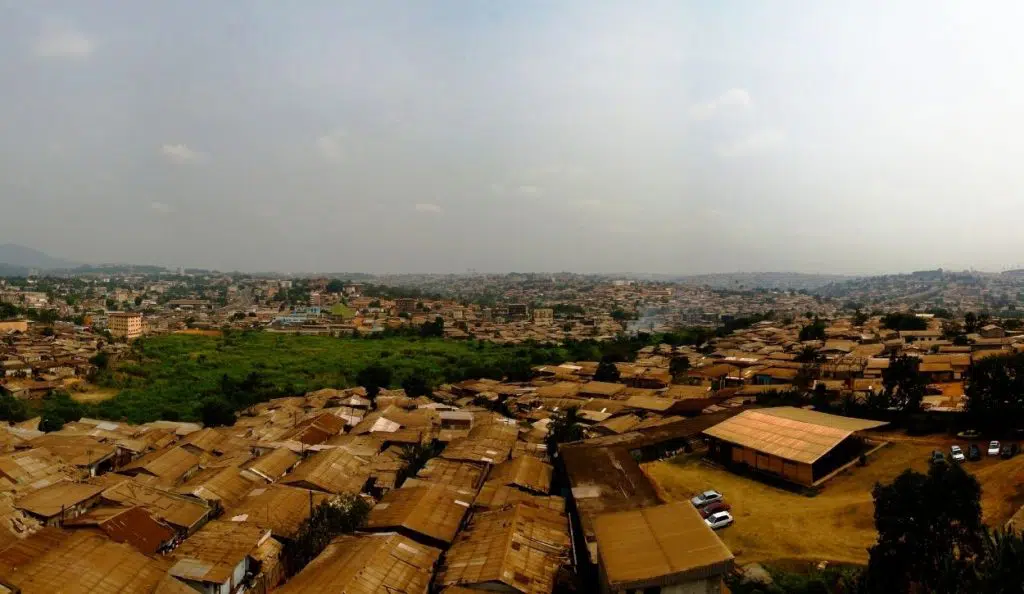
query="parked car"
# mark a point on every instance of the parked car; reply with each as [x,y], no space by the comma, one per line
[713,508]
[702,499]
[956,454]
[973,452]
[993,448]
[719,520]
[937,457]
[1007,451]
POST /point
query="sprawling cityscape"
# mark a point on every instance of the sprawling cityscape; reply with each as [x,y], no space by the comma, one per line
[493,432]
[533,297]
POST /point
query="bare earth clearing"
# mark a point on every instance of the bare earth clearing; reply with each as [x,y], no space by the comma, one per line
[836,524]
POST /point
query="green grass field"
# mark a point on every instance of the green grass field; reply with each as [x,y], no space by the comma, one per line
[340,309]
[169,376]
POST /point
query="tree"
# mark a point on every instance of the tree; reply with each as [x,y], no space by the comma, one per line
[335,286]
[217,412]
[417,385]
[813,331]
[859,318]
[904,321]
[995,392]
[809,354]
[415,457]
[929,531]
[433,329]
[12,409]
[563,429]
[374,377]
[51,423]
[971,322]
[904,385]
[138,300]
[606,372]
[678,366]
[326,521]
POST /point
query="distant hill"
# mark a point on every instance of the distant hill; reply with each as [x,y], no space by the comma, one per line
[15,256]
[763,280]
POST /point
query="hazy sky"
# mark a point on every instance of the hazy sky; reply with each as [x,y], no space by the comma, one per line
[593,136]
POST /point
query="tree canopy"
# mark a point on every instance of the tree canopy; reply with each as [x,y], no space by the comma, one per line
[606,372]
[813,331]
[929,531]
[903,383]
[374,377]
[995,392]
[904,322]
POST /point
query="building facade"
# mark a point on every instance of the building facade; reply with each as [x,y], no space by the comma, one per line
[126,325]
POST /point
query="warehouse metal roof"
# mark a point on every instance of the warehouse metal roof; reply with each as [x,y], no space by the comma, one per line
[658,546]
[794,434]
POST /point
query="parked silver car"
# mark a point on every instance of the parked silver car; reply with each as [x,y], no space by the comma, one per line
[702,499]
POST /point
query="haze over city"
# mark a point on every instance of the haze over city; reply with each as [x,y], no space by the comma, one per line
[672,137]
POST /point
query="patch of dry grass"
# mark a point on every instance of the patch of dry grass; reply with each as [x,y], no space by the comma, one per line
[837,524]
[87,393]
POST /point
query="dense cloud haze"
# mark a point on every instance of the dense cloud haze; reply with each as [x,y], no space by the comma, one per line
[436,136]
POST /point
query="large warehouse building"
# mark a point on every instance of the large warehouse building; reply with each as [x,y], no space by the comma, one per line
[798,445]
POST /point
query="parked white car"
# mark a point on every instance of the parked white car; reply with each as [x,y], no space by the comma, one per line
[993,448]
[702,499]
[956,454]
[719,520]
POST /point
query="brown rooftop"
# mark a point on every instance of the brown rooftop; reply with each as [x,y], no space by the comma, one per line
[521,547]
[525,472]
[332,471]
[495,496]
[226,486]
[474,449]
[132,525]
[169,466]
[790,433]
[279,508]
[368,564]
[274,464]
[431,511]
[179,511]
[658,546]
[88,562]
[55,499]
[211,554]
[467,475]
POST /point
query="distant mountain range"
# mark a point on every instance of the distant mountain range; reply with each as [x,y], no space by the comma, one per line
[13,255]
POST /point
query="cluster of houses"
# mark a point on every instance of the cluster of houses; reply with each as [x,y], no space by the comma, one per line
[174,507]
[849,362]
[463,493]
[34,363]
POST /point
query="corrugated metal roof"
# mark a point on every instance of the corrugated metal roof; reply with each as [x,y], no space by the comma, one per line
[212,554]
[51,500]
[279,508]
[89,562]
[521,546]
[653,545]
[332,471]
[368,564]
[525,472]
[434,511]
[789,433]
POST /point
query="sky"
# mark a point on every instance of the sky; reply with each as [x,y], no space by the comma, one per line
[590,136]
